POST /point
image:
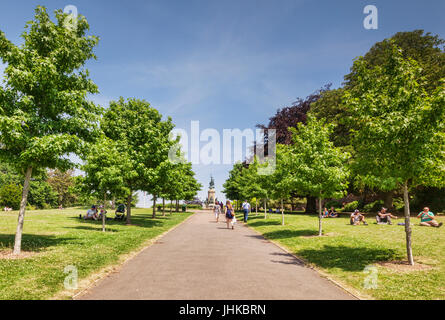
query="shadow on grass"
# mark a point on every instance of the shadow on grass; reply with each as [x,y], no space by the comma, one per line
[93,228]
[145,222]
[283,234]
[347,258]
[264,223]
[32,242]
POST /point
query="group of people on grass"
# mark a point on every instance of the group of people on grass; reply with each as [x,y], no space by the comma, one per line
[427,218]
[329,213]
[6,209]
[356,218]
[94,214]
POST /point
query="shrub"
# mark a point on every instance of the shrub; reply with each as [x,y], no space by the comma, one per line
[373,206]
[399,204]
[351,206]
[333,203]
[10,196]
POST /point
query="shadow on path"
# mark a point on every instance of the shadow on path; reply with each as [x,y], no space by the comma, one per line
[283,234]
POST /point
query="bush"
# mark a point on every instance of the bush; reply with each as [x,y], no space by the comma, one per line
[10,196]
[434,198]
[351,206]
[194,206]
[399,204]
[333,203]
[373,206]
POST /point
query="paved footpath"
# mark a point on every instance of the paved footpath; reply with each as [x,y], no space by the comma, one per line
[202,259]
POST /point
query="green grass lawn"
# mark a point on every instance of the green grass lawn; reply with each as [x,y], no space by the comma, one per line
[60,239]
[346,250]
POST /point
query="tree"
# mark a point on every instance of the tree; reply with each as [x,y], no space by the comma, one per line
[314,165]
[44,111]
[10,196]
[400,137]
[425,48]
[142,138]
[290,117]
[232,188]
[105,171]
[61,182]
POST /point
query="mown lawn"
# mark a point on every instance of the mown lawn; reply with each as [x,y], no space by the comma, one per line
[346,250]
[60,238]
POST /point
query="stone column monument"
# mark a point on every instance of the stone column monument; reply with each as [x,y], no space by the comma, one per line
[211,194]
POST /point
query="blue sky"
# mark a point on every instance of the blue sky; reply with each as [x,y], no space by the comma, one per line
[228,64]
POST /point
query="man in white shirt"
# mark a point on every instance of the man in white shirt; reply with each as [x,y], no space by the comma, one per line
[246,209]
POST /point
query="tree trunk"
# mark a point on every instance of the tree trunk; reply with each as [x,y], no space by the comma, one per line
[311,204]
[256,207]
[129,207]
[163,207]
[103,215]
[282,213]
[171,207]
[154,206]
[408,231]
[113,203]
[265,209]
[21,218]
[177,205]
[388,200]
[320,219]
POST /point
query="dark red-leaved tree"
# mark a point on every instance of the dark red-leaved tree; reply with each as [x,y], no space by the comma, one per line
[288,117]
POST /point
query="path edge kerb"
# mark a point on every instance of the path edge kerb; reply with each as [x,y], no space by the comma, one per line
[131,256]
[323,274]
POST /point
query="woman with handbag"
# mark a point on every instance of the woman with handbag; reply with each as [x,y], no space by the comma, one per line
[230,215]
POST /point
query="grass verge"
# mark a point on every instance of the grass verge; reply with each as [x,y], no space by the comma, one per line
[361,256]
[55,239]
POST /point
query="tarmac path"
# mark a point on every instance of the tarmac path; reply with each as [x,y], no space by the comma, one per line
[203,260]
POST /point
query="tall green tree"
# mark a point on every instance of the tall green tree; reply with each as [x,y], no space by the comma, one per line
[143,138]
[61,182]
[400,140]
[314,165]
[427,49]
[44,111]
[104,170]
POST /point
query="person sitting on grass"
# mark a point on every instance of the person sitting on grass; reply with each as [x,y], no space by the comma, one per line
[120,212]
[357,217]
[333,213]
[102,213]
[91,214]
[427,219]
[384,217]
[325,213]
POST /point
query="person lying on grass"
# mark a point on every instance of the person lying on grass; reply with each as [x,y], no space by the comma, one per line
[91,214]
[357,217]
[384,217]
[333,213]
[427,219]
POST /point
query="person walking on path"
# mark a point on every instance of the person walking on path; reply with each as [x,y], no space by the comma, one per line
[230,216]
[246,209]
[217,211]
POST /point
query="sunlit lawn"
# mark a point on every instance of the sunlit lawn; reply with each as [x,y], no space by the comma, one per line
[347,250]
[60,239]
